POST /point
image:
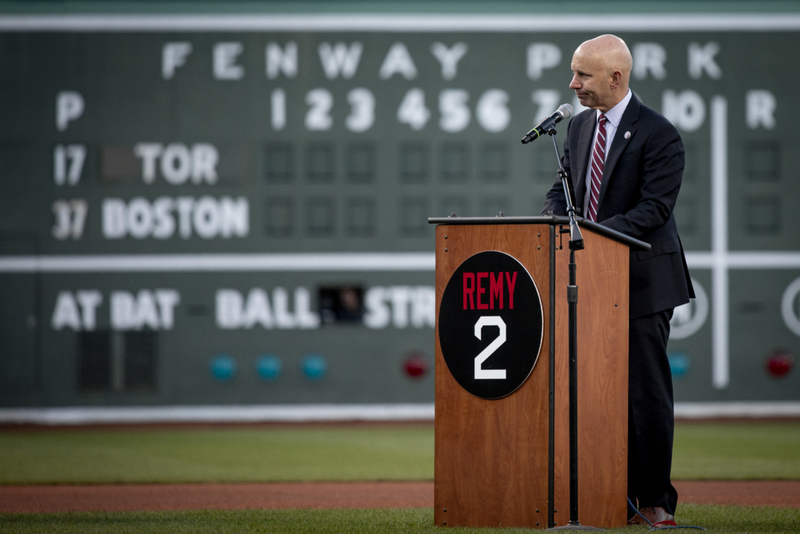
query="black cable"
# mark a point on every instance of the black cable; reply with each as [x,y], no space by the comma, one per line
[668,527]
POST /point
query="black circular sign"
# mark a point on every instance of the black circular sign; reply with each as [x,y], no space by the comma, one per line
[490,324]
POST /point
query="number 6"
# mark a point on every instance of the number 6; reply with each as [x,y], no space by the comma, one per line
[480,372]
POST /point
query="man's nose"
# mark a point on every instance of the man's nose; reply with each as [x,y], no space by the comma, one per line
[574,84]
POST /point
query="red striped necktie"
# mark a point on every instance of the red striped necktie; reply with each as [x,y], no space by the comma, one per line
[596,170]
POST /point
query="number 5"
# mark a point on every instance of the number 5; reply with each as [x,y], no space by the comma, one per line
[480,372]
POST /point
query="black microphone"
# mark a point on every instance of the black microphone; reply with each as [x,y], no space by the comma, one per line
[564,111]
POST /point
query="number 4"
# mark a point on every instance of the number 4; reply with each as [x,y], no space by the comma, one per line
[412,110]
[480,372]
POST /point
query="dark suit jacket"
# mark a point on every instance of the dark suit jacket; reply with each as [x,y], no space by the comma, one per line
[641,181]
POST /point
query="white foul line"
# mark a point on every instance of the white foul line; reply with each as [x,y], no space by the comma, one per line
[304,413]
[298,413]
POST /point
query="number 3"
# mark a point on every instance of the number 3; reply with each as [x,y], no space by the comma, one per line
[480,372]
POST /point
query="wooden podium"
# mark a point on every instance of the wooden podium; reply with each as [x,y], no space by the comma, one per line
[505,462]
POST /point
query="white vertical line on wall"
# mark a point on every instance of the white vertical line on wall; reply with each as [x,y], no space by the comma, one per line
[720,372]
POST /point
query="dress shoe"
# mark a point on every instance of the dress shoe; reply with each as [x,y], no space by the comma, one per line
[657,517]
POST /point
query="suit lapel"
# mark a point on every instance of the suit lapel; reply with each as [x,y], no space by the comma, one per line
[618,145]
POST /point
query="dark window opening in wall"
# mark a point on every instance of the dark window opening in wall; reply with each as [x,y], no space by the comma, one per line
[140,360]
[94,361]
[494,163]
[360,215]
[763,215]
[360,163]
[320,217]
[117,361]
[414,163]
[543,163]
[279,163]
[341,304]
[320,163]
[763,161]
[279,217]
[414,213]
[454,162]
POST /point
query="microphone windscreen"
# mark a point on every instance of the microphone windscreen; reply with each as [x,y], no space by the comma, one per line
[566,110]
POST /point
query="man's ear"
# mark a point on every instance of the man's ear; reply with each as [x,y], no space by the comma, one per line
[616,79]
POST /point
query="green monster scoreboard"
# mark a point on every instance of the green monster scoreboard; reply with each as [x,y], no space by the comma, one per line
[233,209]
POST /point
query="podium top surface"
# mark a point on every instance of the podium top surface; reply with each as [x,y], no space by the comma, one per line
[544,219]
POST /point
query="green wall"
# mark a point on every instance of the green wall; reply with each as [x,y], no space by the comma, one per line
[182,194]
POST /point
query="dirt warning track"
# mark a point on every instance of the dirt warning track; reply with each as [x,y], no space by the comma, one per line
[37,499]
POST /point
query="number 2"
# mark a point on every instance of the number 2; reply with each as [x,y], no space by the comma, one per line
[318,118]
[480,372]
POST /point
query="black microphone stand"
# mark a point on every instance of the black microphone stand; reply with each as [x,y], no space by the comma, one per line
[575,243]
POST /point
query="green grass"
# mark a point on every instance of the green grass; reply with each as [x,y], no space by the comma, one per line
[217,455]
[727,519]
[737,451]
[719,451]
[702,451]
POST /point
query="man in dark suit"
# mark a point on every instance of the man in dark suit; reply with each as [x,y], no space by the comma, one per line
[625,163]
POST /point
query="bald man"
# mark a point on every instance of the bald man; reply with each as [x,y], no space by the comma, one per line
[625,164]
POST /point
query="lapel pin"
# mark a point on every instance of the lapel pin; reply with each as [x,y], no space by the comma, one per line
[627,135]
